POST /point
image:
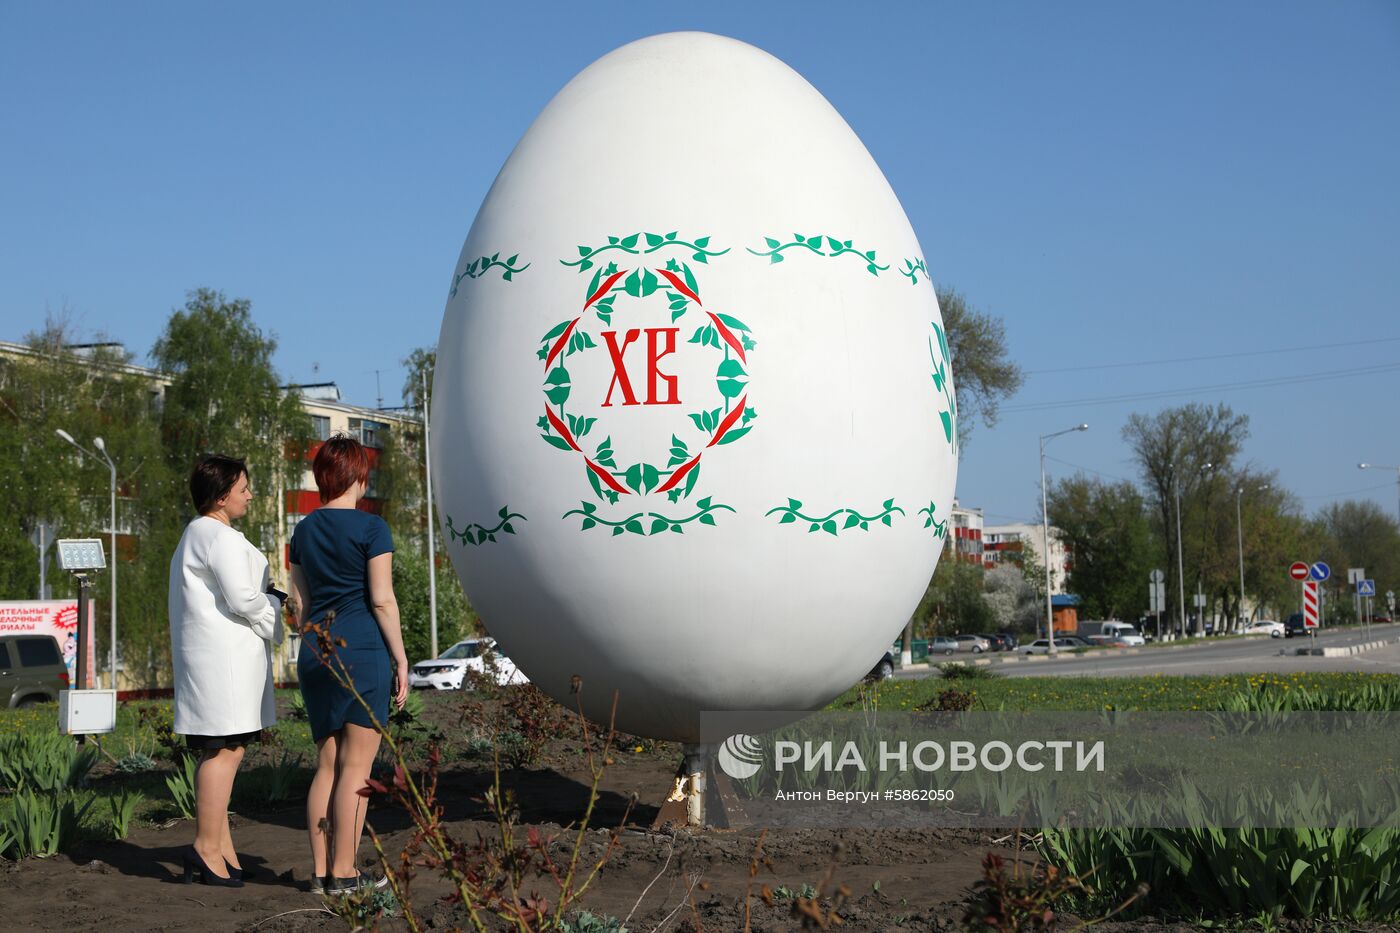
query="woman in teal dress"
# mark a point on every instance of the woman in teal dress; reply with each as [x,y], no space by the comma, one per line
[342,574]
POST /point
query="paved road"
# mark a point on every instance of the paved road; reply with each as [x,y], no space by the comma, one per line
[1226,656]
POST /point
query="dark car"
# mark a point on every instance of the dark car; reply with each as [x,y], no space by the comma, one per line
[883,670]
[998,641]
[31,670]
[1010,640]
[1293,625]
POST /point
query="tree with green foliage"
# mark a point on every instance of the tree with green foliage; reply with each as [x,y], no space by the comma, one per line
[1184,448]
[225,397]
[1104,527]
[456,618]
[1357,534]
[983,373]
[88,391]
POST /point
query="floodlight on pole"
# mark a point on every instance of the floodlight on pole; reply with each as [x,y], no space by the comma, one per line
[1377,466]
[101,446]
[1045,533]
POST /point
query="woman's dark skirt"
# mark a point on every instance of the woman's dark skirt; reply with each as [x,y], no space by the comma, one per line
[329,705]
[213,743]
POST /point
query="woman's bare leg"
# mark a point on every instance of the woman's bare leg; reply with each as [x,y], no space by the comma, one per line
[213,786]
[354,759]
[318,800]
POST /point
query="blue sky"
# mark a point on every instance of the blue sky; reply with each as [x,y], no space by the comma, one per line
[1119,182]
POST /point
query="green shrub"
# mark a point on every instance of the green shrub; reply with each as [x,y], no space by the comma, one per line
[1338,873]
[42,824]
[44,762]
[956,670]
[181,784]
[135,764]
[586,922]
[284,777]
[123,808]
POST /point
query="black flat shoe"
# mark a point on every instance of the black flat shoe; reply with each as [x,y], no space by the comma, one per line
[194,863]
[357,882]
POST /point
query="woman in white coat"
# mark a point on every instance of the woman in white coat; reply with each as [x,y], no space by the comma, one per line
[224,620]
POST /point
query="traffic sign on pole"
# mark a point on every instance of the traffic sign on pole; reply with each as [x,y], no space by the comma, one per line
[1157,576]
[1319,571]
[1366,588]
[1310,604]
[1298,570]
[1356,574]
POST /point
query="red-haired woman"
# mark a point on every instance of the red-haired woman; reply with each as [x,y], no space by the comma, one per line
[342,563]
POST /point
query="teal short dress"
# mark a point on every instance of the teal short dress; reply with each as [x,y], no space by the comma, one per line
[333,548]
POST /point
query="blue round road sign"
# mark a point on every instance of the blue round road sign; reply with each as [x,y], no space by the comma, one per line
[1319,571]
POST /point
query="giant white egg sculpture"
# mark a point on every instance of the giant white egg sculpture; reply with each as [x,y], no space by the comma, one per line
[694,431]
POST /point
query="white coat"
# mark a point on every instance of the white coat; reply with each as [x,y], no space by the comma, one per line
[222,628]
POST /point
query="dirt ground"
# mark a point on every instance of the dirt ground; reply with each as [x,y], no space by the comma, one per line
[133,885]
[898,879]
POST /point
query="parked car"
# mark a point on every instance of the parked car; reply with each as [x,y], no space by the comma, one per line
[941,644]
[1111,628]
[1042,646]
[974,643]
[1270,627]
[997,642]
[884,669]
[1074,641]
[1293,625]
[1112,641]
[448,671]
[1009,640]
[31,670]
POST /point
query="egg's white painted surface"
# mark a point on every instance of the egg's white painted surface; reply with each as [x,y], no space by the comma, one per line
[667,461]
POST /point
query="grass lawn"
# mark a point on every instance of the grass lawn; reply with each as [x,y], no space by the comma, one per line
[1098,693]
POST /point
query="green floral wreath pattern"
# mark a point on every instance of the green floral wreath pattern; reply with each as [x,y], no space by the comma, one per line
[833,247]
[940,529]
[477,268]
[792,512]
[942,365]
[475,534]
[723,424]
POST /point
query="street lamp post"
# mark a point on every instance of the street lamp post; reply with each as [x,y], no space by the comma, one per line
[1045,532]
[1239,525]
[112,467]
[1180,561]
[432,521]
[1377,466]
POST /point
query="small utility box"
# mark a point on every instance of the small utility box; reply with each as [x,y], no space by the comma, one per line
[87,712]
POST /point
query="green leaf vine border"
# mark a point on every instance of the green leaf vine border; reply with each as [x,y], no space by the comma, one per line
[633,523]
[792,512]
[912,269]
[475,534]
[655,241]
[815,244]
[941,382]
[478,268]
[940,529]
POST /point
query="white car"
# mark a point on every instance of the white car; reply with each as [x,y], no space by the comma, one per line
[1266,627]
[449,670]
[1042,646]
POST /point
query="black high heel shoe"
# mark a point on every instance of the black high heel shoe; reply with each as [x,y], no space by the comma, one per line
[206,876]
